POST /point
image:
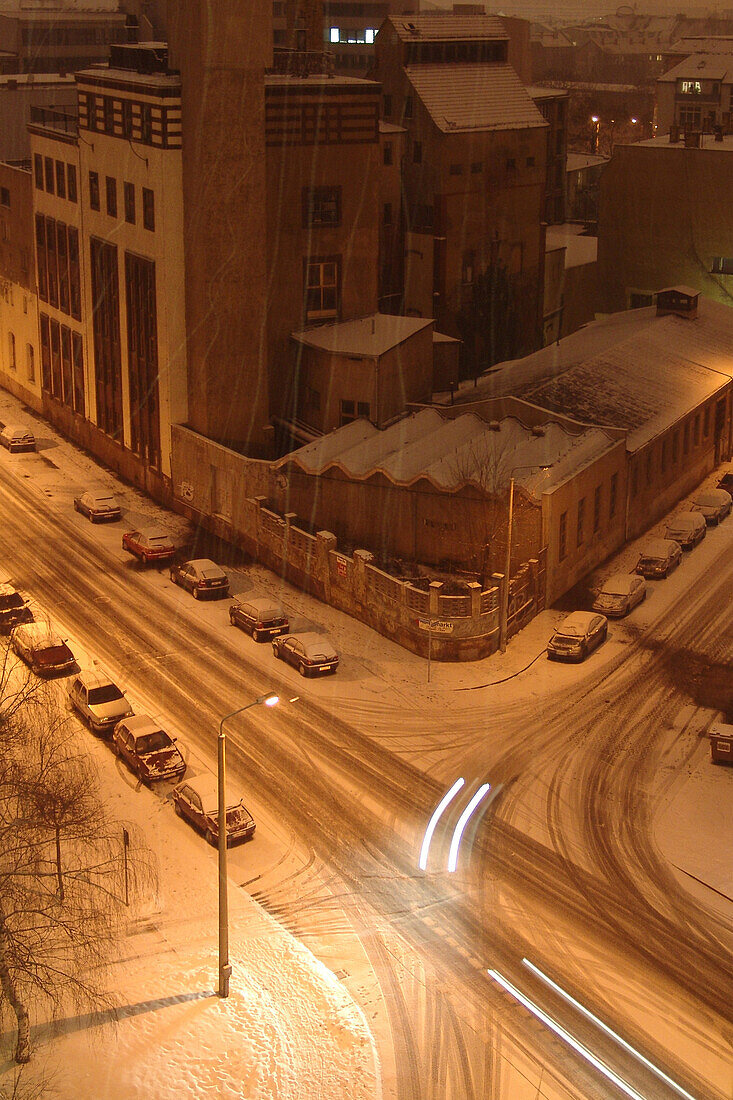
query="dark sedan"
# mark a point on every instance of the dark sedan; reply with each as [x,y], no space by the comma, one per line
[98,507]
[201,577]
[309,652]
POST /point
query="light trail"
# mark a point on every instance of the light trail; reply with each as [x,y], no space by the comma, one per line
[462,822]
[437,813]
[565,1036]
[609,1031]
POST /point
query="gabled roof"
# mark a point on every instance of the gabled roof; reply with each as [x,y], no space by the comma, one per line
[700,66]
[477,96]
[448,27]
[710,44]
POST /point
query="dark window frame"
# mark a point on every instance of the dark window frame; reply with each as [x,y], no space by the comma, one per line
[562,540]
[321,207]
[110,190]
[148,209]
[580,533]
[94,196]
[71,191]
[129,201]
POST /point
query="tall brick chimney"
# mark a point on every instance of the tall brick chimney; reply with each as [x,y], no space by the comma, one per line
[221,48]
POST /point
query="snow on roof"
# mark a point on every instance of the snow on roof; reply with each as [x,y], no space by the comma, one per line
[369,336]
[390,128]
[632,370]
[476,96]
[722,43]
[451,452]
[700,66]
[577,161]
[442,27]
[579,248]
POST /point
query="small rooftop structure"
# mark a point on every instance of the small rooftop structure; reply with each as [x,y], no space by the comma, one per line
[366,337]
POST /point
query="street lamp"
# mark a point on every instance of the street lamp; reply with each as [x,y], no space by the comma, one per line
[594,137]
[504,622]
[269,699]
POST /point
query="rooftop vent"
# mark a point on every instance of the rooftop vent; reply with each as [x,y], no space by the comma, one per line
[494,426]
[681,300]
[537,429]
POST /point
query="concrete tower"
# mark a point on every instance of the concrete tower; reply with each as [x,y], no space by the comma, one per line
[221,48]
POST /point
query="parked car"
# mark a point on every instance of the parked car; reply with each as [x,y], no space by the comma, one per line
[714,504]
[99,701]
[309,652]
[726,481]
[201,577]
[98,507]
[149,751]
[13,609]
[659,557]
[577,636]
[687,528]
[42,649]
[620,594]
[16,438]
[198,801]
[149,544]
[259,616]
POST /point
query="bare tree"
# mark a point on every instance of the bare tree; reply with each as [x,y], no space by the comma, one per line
[61,864]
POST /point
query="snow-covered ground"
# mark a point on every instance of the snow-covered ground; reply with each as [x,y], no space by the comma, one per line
[290,1028]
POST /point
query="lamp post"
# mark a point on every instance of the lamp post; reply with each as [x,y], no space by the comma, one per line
[269,699]
[504,624]
[594,136]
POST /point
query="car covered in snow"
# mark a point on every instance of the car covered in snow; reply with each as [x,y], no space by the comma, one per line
[98,700]
[42,649]
[620,594]
[197,800]
[16,438]
[149,544]
[148,751]
[260,616]
[577,636]
[658,558]
[309,652]
[713,504]
[726,481]
[686,528]
[13,609]
[201,577]
[98,507]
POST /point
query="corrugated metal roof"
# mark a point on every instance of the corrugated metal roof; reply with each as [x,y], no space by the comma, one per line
[478,96]
[448,27]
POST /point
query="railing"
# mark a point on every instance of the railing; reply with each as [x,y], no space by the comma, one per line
[54,119]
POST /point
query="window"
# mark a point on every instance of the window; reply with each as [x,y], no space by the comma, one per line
[696,435]
[675,445]
[613,495]
[387,153]
[142,353]
[38,168]
[530,162]
[60,179]
[691,87]
[322,289]
[387,213]
[111,189]
[456,170]
[706,422]
[597,509]
[407,112]
[126,118]
[581,521]
[4,197]
[94,190]
[511,162]
[467,267]
[129,191]
[92,111]
[649,462]
[335,35]
[321,207]
[108,114]
[562,547]
[71,182]
[30,362]
[664,455]
[146,122]
[48,163]
[148,209]
[417,152]
[477,166]
[11,350]
[363,408]
[686,438]
[387,106]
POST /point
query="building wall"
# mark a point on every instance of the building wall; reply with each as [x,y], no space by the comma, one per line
[221,50]
[391,222]
[65,41]
[665,214]
[19,359]
[17,96]
[580,297]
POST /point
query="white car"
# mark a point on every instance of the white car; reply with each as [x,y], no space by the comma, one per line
[99,507]
[98,700]
[17,438]
[620,594]
[686,528]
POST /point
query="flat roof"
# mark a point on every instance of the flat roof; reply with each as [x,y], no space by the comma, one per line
[580,248]
[367,337]
[480,95]
[577,161]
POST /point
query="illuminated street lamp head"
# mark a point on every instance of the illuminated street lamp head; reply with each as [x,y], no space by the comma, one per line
[594,118]
[270,699]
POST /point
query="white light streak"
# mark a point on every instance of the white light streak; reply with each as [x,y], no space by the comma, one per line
[437,813]
[462,822]
[604,1027]
[566,1036]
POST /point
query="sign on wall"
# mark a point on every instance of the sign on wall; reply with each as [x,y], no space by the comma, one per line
[437,626]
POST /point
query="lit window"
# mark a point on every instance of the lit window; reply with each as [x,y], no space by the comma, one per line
[369,35]
[335,34]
